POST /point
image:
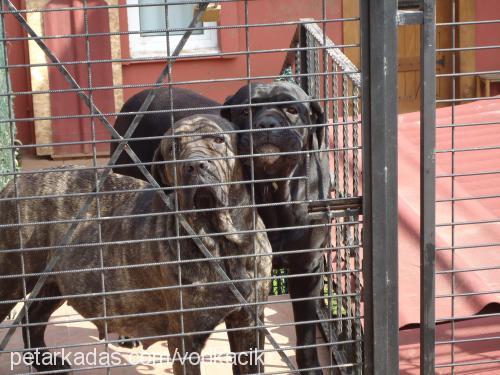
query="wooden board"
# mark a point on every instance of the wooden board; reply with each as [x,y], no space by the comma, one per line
[351,30]
[466,38]
[409,54]
[408,68]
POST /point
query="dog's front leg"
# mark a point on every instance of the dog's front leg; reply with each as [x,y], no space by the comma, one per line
[246,342]
[306,287]
[185,350]
[185,354]
[33,335]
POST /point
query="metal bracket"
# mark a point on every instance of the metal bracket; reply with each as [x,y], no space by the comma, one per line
[409,17]
[338,207]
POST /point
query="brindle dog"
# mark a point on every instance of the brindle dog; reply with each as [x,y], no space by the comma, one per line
[289,133]
[142,272]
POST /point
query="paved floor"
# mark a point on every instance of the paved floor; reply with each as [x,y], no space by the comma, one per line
[64,333]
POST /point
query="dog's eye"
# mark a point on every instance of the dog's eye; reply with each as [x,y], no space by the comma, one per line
[245,111]
[219,139]
[291,110]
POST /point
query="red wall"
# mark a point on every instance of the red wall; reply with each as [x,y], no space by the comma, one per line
[64,104]
[488,35]
[261,38]
[231,40]
[17,53]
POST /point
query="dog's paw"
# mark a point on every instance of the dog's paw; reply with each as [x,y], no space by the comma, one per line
[129,344]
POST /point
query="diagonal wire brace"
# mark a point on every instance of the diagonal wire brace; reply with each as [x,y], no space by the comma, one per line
[102,176]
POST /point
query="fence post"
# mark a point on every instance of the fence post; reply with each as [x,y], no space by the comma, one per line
[427,187]
[380,215]
[6,136]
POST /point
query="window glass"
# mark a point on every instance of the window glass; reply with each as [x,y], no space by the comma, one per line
[153,17]
[149,15]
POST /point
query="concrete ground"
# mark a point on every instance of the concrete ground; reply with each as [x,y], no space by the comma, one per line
[61,332]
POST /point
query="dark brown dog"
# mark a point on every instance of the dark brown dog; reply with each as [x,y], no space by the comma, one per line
[134,259]
[289,136]
[156,122]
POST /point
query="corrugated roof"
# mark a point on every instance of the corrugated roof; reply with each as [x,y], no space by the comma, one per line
[475,153]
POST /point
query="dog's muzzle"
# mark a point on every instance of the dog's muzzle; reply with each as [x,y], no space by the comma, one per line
[209,193]
[270,153]
[202,197]
[277,136]
[275,148]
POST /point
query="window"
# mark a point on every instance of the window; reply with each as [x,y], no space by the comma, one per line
[145,19]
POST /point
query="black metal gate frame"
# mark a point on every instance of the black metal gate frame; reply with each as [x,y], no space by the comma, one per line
[379,30]
[426,17]
[380,204]
[427,187]
[123,146]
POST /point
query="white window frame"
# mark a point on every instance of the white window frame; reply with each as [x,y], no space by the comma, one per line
[156,45]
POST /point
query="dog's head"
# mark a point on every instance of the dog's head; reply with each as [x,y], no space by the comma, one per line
[198,160]
[281,115]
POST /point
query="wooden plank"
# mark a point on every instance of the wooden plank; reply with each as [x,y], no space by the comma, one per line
[466,38]
[444,59]
[39,75]
[408,68]
[408,64]
[409,54]
[350,8]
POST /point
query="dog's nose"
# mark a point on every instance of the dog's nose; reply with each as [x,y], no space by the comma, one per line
[268,122]
[197,166]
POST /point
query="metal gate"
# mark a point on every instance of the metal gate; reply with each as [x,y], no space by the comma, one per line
[174,258]
[459,188]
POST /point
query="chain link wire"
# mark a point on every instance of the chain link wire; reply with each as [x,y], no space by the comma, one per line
[335,85]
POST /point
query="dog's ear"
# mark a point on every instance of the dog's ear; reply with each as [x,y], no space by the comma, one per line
[318,116]
[158,170]
[319,132]
[226,112]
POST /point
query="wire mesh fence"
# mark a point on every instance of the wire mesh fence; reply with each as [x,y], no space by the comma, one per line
[240,124]
[467,195]
[189,182]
